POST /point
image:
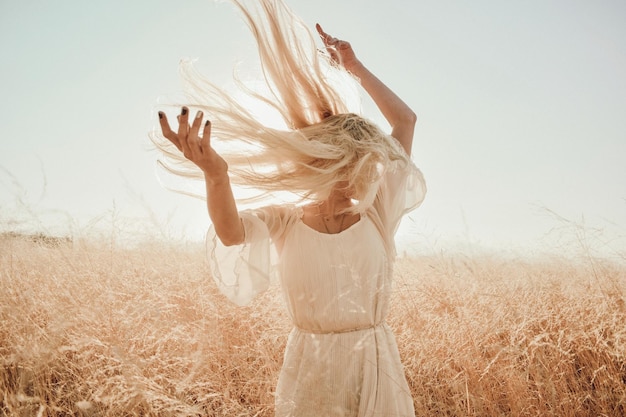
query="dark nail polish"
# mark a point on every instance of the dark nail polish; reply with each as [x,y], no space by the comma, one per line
[184,111]
[208,122]
[160,115]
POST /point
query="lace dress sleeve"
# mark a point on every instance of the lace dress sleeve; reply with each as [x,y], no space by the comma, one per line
[243,271]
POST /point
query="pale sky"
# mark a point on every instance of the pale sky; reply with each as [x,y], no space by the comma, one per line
[521,106]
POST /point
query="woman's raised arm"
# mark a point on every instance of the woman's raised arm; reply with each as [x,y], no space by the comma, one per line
[399,115]
[197,148]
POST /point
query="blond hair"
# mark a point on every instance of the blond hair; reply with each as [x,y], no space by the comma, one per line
[325,147]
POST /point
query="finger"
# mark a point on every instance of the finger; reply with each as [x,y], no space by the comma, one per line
[334,55]
[165,126]
[193,140]
[321,32]
[343,45]
[183,126]
[325,36]
[205,142]
[183,130]
[167,130]
[195,126]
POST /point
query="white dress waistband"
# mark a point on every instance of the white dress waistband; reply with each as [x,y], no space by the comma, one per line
[350,330]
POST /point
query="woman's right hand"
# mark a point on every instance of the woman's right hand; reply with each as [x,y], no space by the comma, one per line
[195,147]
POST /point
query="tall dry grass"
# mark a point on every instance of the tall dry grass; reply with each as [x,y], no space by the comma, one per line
[92,329]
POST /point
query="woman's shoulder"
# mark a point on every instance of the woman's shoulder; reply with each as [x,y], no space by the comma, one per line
[276,213]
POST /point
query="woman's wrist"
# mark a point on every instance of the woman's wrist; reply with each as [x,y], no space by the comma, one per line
[356,68]
[213,179]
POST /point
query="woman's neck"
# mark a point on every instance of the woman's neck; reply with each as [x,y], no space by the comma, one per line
[334,204]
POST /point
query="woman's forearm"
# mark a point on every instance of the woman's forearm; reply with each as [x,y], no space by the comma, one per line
[223,210]
[399,115]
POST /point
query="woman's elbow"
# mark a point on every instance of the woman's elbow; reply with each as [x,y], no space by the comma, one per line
[411,117]
[408,119]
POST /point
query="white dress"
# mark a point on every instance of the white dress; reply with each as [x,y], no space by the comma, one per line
[341,357]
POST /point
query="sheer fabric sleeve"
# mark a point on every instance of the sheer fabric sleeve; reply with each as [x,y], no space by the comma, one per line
[402,189]
[243,271]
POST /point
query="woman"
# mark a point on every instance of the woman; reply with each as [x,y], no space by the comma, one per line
[336,247]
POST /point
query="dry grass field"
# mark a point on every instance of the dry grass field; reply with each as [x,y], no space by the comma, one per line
[92,329]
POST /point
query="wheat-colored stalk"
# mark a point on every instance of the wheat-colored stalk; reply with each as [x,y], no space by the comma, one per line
[91,329]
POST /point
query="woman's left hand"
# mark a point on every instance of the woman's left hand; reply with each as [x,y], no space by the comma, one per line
[340,51]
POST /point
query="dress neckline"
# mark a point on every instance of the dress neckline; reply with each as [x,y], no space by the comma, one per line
[354,225]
